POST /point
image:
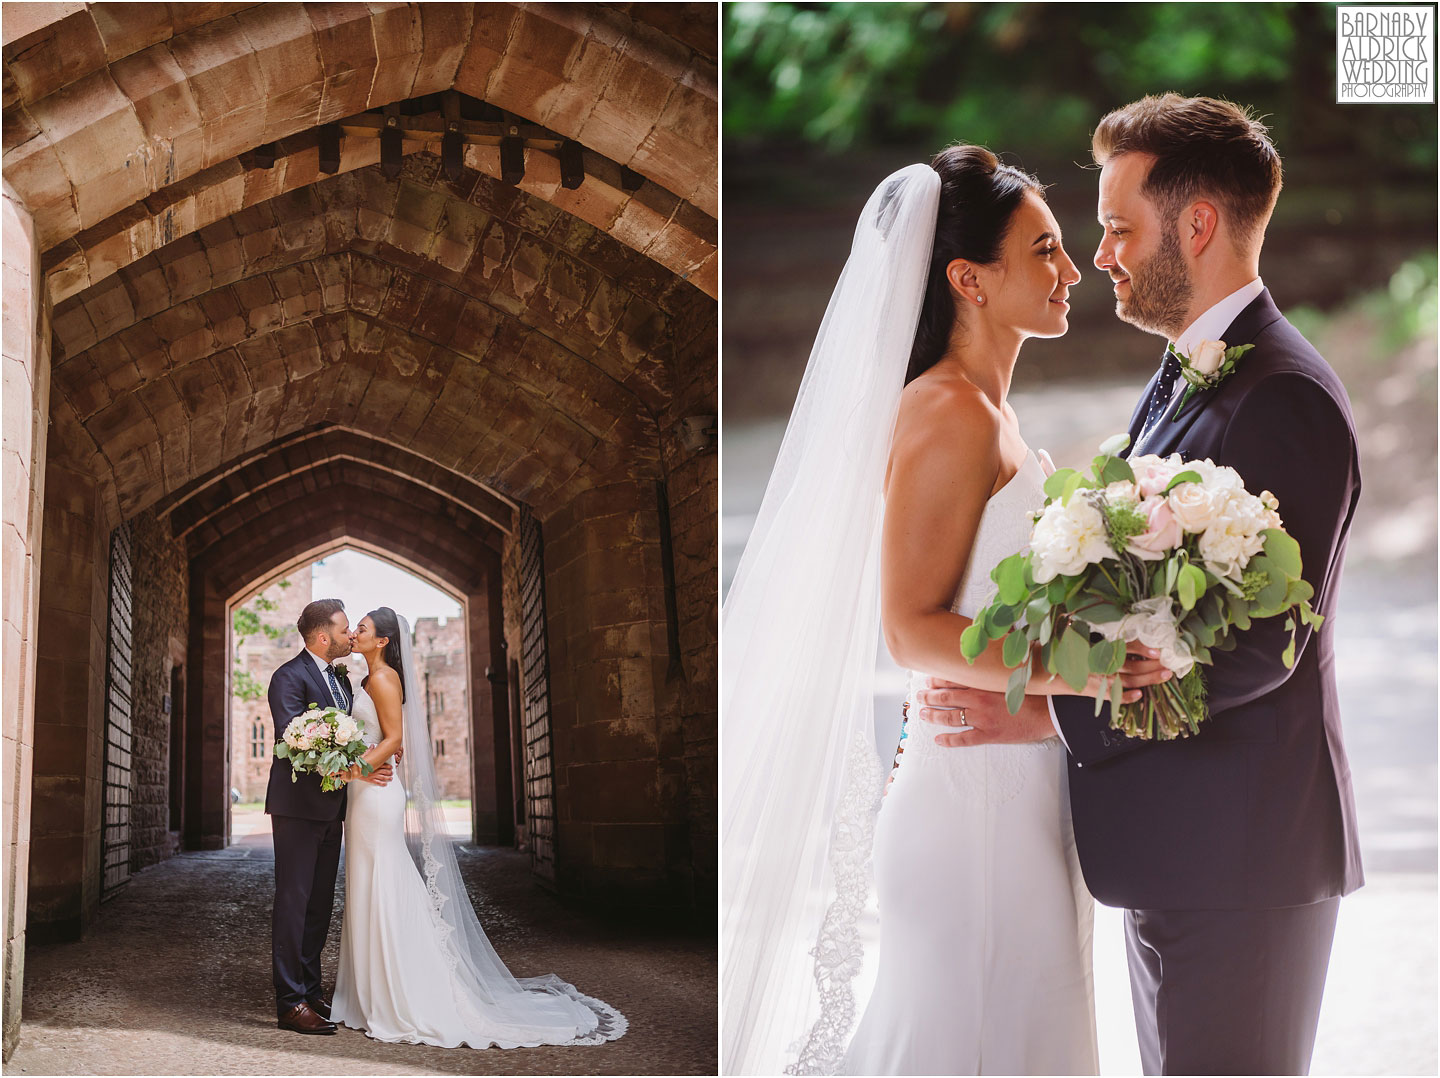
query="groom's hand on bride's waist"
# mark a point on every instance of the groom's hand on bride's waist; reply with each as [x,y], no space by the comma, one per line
[380,776]
[979,717]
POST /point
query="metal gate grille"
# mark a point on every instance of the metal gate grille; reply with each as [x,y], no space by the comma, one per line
[535,661]
[115,845]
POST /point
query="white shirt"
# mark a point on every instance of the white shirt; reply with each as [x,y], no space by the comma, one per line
[1208,327]
[1214,322]
[324,665]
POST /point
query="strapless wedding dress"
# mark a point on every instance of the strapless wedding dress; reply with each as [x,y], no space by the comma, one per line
[985,922]
[401,979]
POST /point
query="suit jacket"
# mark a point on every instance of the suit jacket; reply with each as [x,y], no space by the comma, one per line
[293,688]
[1256,810]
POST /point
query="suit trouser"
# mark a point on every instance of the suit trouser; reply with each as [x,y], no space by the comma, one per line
[307,859]
[1229,991]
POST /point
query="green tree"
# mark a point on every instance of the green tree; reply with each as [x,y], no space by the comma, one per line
[247,621]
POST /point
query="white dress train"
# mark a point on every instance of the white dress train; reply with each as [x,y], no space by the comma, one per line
[985,922]
[399,977]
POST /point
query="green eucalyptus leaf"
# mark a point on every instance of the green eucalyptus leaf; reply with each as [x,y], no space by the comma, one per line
[1288,655]
[1055,482]
[1100,613]
[1115,444]
[1055,590]
[1015,649]
[1190,585]
[1047,626]
[1298,591]
[1010,575]
[1037,608]
[1002,619]
[1172,572]
[1072,659]
[1115,470]
[1015,688]
[1072,484]
[1189,475]
[1283,551]
[972,641]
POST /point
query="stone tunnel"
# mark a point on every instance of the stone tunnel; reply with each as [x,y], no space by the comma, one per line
[275,285]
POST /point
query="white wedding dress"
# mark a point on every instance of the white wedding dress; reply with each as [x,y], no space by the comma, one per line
[985,922]
[402,977]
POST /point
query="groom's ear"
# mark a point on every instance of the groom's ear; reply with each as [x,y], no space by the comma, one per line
[1199,226]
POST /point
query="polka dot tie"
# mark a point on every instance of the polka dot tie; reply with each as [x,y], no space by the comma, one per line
[1164,390]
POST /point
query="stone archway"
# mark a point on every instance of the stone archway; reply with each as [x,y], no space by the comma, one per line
[208,338]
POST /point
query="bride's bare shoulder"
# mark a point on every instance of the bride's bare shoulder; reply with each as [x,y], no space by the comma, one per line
[942,410]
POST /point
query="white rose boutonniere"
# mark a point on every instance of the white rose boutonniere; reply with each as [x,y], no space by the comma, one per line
[1209,365]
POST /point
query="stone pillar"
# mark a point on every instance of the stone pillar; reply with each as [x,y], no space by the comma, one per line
[207,733]
[26,358]
[692,484]
[68,784]
[492,799]
[621,831]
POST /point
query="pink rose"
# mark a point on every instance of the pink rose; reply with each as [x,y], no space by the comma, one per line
[1153,474]
[1162,535]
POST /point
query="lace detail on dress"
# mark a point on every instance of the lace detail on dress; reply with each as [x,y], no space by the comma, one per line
[838,952]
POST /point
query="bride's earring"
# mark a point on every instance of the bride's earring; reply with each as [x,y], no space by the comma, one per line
[979,299]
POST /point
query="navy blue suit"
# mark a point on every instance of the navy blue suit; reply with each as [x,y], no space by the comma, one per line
[308,826]
[1229,849]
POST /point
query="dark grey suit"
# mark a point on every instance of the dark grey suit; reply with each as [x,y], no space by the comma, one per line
[1229,850]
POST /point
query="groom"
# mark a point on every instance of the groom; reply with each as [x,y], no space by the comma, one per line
[1229,850]
[307,822]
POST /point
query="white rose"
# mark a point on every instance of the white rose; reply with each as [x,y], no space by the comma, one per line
[1068,538]
[345,730]
[296,737]
[1122,490]
[1207,356]
[1228,547]
[1195,507]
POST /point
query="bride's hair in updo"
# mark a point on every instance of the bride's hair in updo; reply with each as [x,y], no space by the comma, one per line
[978,197]
[388,625]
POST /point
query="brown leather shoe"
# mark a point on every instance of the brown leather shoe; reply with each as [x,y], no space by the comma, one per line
[320,1005]
[301,1019]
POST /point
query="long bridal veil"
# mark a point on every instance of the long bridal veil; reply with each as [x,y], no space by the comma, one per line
[498,1008]
[800,774]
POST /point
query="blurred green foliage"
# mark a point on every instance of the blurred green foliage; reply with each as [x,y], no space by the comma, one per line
[1038,75]
[1401,312]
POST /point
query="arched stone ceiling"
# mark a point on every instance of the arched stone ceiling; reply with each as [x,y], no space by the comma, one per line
[206,498]
[484,328]
[109,105]
[298,521]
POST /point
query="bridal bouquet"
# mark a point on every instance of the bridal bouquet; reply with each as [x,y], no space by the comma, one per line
[1173,554]
[323,742]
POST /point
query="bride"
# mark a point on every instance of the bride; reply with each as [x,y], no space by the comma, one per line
[415,965]
[901,481]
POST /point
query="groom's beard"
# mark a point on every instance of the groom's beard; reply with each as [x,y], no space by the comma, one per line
[339,649]
[1160,292]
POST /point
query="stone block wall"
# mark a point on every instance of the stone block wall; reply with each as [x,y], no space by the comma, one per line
[440,653]
[67,788]
[160,608]
[692,484]
[26,363]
